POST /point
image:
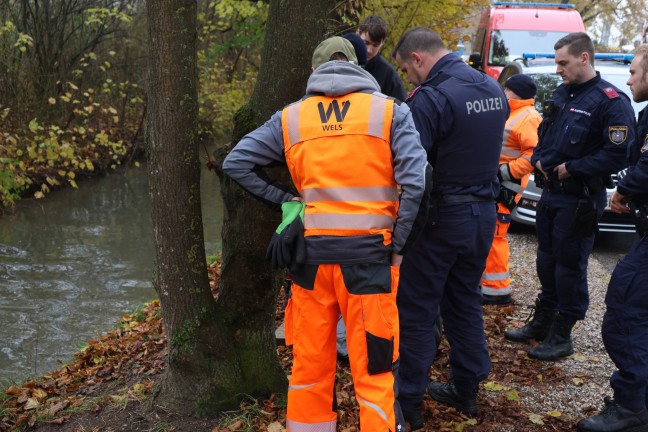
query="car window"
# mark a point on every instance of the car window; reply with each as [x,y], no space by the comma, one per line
[508,45]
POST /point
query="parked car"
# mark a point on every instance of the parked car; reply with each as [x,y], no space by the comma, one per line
[542,69]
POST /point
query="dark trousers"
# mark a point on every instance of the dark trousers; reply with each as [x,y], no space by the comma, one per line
[562,255]
[443,270]
[625,326]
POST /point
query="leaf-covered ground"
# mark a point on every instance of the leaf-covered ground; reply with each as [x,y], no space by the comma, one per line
[107,385]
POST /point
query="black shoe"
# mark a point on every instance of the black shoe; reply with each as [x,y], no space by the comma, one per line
[539,325]
[615,418]
[465,402]
[496,299]
[415,419]
[343,360]
[558,344]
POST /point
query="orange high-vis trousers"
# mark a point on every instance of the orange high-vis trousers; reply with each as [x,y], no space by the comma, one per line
[365,294]
[496,279]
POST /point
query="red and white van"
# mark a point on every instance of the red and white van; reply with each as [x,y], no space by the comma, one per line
[508,29]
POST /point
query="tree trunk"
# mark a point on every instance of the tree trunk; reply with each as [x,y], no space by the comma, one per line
[248,286]
[220,350]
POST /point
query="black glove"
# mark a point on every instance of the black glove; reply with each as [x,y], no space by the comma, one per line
[287,247]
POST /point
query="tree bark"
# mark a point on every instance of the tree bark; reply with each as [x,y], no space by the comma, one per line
[218,350]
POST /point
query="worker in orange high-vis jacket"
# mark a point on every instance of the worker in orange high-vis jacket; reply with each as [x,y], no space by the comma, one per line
[520,138]
[348,149]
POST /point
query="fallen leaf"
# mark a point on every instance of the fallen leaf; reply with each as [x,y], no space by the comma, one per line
[493,386]
[32,403]
[238,425]
[39,393]
[536,418]
[512,395]
[554,413]
[60,420]
[13,391]
[276,427]
[579,357]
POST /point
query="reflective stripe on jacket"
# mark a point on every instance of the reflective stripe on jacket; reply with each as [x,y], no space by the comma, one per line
[356,195]
[520,138]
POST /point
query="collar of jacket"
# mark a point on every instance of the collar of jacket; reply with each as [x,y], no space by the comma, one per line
[520,103]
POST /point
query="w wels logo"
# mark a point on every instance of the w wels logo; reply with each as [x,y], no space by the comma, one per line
[333,108]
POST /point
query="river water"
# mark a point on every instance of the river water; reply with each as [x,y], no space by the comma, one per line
[71,264]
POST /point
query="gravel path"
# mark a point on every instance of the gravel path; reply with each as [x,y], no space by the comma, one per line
[588,370]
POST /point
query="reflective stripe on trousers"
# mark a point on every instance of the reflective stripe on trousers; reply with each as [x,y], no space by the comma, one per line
[496,279]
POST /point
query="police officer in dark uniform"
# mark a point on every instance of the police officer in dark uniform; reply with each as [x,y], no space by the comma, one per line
[460,114]
[582,140]
[625,324]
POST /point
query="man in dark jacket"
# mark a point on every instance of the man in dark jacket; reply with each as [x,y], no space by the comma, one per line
[583,139]
[625,324]
[373,31]
[460,114]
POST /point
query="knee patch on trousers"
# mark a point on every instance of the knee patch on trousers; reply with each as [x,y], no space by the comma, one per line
[379,351]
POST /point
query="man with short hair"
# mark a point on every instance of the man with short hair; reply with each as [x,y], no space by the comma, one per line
[520,138]
[625,323]
[582,141]
[373,31]
[460,113]
[349,149]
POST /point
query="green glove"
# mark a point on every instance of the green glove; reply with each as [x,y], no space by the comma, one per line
[287,247]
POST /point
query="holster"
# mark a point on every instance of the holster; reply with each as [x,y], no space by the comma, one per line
[585,222]
[640,216]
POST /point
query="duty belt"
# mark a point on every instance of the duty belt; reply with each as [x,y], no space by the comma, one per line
[461,199]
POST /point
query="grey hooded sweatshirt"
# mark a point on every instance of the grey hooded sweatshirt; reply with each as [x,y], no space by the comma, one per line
[264,147]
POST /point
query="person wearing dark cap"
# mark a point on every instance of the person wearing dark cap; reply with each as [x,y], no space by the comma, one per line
[373,32]
[359,46]
[520,138]
[348,149]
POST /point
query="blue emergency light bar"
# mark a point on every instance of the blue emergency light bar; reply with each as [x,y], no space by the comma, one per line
[535,5]
[625,58]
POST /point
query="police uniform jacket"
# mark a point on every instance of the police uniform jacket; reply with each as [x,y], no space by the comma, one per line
[589,128]
[265,147]
[460,114]
[636,181]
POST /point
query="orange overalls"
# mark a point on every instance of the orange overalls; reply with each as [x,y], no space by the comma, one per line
[338,154]
[520,138]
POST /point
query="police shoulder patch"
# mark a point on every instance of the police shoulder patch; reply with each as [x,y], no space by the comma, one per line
[644,147]
[618,134]
[610,93]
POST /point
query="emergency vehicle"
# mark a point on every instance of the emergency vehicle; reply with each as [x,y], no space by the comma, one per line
[507,29]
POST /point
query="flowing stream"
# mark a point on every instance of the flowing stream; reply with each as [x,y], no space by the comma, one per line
[71,264]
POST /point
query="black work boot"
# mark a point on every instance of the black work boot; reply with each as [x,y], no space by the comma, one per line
[538,327]
[464,401]
[559,343]
[615,418]
[415,419]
